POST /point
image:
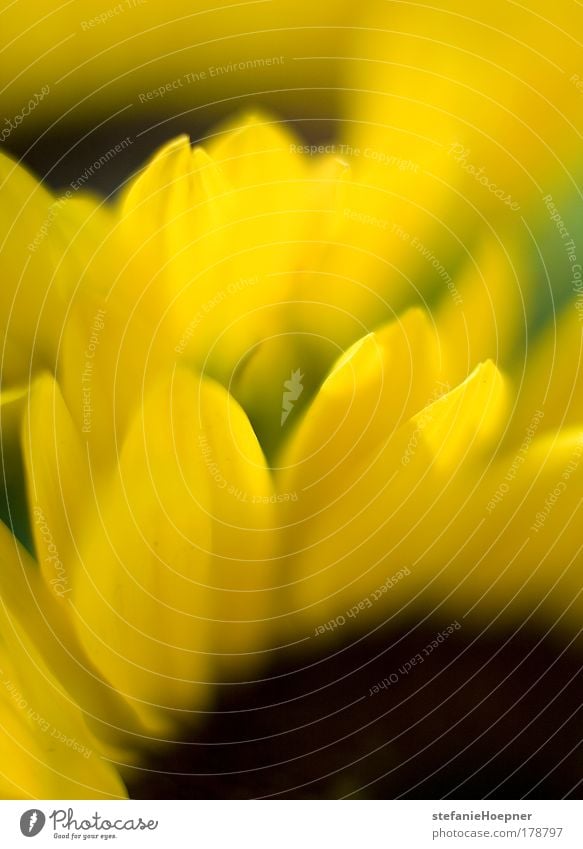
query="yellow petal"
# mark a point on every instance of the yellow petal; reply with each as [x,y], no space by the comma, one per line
[512,553]
[372,391]
[29,307]
[349,532]
[298,204]
[171,215]
[47,249]
[549,383]
[107,333]
[12,403]
[51,630]
[245,567]
[59,482]
[470,415]
[171,584]
[13,505]
[60,500]
[47,750]
[396,244]
[192,282]
[257,151]
[260,384]
[483,310]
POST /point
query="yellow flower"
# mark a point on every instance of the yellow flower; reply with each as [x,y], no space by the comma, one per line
[241,421]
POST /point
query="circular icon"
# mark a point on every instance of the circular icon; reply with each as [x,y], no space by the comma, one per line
[32,822]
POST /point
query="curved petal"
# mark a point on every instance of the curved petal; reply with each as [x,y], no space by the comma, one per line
[172,565]
[59,482]
[33,605]
[29,307]
[46,245]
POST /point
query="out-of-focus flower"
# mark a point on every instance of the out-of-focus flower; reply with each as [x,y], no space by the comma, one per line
[183,530]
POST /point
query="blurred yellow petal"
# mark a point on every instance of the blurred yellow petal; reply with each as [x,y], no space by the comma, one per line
[255,150]
[47,750]
[13,507]
[44,250]
[34,606]
[397,239]
[363,507]
[180,214]
[550,380]
[173,201]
